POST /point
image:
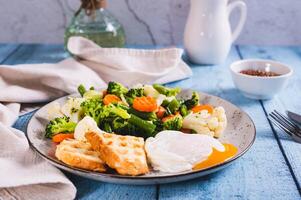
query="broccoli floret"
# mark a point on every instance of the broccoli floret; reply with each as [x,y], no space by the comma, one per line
[118,125]
[165,103]
[133,93]
[174,106]
[167,91]
[92,108]
[59,125]
[183,110]
[116,88]
[129,129]
[99,112]
[112,110]
[122,127]
[134,126]
[190,103]
[107,127]
[174,123]
[159,125]
[81,89]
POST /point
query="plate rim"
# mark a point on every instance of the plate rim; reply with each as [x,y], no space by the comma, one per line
[57,163]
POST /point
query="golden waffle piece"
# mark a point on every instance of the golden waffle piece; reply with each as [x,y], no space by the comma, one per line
[79,154]
[125,154]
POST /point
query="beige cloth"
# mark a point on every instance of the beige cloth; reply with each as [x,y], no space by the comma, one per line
[41,82]
[23,174]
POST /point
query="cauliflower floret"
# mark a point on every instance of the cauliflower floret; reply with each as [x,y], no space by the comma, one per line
[161,97]
[198,123]
[204,114]
[213,123]
[149,90]
[72,108]
[54,111]
[205,123]
[220,113]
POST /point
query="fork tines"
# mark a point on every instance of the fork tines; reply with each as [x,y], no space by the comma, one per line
[284,123]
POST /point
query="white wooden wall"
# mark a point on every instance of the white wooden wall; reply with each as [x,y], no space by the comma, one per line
[271,22]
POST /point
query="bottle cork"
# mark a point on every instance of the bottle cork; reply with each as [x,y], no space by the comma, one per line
[102,3]
[93,4]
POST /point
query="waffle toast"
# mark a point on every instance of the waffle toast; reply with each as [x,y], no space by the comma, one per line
[125,154]
[79,154]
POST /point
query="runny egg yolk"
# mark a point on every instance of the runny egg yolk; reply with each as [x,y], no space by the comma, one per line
[217,157]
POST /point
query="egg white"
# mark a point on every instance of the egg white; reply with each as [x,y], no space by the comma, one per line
[85,125]
[174,151]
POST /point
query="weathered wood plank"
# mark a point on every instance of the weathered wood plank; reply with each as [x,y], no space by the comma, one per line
[6,50]
[288,99]
[89,189]
[261,174]
[86,189]
[37,53]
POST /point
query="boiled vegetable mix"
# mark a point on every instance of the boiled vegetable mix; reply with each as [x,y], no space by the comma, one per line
[129,111]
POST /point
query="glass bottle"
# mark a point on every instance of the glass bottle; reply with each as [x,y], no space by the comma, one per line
[94,22]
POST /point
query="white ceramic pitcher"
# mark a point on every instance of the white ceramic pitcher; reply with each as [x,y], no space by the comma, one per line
[208,36]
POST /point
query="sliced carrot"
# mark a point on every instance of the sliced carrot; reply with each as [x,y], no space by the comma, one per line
[161,111]
[111,98]
[199,108]
[167,118]
[145,104]
[62,136]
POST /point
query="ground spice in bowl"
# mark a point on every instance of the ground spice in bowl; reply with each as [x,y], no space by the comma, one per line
[252,72]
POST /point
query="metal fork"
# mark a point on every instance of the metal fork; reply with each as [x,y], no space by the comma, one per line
[285,124]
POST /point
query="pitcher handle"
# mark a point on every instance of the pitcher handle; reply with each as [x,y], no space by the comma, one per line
[243,15]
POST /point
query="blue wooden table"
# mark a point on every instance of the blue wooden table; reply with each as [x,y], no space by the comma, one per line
[270,170]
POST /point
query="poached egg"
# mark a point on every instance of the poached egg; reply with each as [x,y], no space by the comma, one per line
[174,151]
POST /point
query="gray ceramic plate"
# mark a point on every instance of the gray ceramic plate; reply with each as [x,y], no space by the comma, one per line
[240,132]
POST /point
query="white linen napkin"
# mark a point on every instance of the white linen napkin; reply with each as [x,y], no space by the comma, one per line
[23,174]
[131,66]
[95,66]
